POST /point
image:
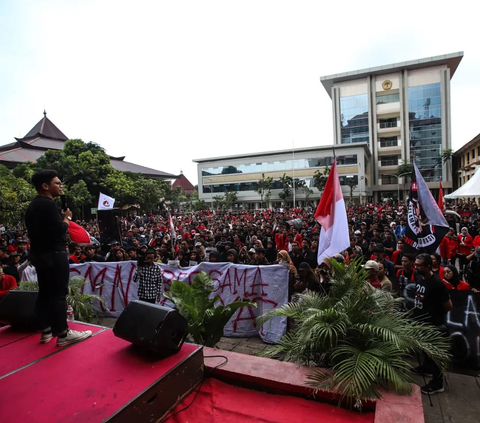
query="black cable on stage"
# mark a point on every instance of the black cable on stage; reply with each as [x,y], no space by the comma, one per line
[207,374]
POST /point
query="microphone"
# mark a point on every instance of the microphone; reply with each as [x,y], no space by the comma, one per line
[63,199]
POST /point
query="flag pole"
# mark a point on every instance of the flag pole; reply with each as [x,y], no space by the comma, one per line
[293,172]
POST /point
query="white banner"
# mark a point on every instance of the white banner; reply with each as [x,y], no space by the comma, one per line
[265,285]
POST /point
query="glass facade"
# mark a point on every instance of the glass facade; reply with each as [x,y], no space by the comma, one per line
[354,112]
[388,98]
[252,186]
[425,123]
[281,165]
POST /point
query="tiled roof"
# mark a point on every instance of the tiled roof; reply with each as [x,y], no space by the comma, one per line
[132,167]
[184,183]
[47,129]
[46,136]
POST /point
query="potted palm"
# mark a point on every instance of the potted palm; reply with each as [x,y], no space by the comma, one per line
[357,338]
[81,303]
[206,318]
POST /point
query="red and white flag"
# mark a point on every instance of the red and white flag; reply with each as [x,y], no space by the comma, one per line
[332,215]
[172,228]
[441,202]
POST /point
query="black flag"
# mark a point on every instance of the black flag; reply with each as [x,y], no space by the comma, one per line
[426,226]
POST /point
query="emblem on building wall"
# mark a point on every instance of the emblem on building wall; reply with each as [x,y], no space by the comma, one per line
[387,84]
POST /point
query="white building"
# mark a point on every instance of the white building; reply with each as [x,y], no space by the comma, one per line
[241,173]
[403,112]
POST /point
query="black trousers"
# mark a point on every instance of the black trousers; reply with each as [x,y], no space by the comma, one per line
[53,273]
[149,300]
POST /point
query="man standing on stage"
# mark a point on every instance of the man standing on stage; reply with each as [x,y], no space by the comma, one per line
[47,228]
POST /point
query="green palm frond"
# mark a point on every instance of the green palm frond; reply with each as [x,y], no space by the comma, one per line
[359,333]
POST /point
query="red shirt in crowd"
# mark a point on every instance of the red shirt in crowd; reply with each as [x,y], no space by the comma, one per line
[468,241]
[462,286]
[7,283]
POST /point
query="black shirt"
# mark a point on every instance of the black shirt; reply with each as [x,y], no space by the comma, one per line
[430,295]
[46,229]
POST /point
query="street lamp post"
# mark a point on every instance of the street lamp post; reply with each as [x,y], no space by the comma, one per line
[398,187]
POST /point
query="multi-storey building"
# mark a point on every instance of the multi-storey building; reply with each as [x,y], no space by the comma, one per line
[466,161]
[241,174]
[403,112]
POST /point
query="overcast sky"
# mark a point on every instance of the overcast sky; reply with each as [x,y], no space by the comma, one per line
[163,83]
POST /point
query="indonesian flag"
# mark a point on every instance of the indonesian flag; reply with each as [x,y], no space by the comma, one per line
[78,234]
[105,202]
[332,215]
[172,228]
[441,202]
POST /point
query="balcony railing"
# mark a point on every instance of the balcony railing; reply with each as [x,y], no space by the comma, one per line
[384,125]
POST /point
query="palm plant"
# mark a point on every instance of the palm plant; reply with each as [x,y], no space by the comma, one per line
[81,303]
[358,335]
[196,303]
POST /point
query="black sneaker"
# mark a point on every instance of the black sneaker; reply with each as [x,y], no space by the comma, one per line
[432,388]
[420,370]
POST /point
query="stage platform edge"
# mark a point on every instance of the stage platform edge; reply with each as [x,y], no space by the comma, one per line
[165,393]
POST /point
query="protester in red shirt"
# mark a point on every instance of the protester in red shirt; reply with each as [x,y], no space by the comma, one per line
[452,280]
[7,283]
[436,268]
[453,242]
[465,242]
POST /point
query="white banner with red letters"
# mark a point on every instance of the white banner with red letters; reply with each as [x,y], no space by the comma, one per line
[265,285]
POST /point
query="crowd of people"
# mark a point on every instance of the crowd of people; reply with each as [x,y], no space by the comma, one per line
[264,237]
[288,237]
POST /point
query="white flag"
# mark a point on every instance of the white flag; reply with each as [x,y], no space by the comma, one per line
[105,202]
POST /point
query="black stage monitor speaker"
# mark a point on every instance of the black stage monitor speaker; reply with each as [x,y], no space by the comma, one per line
[18,310]
[152,327]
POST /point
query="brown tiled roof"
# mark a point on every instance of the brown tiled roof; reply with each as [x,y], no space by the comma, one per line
[45,128]
[184,183]
[132,167]
[46,136]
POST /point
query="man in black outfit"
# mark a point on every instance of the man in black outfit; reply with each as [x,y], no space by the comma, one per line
[432,303]
[47,228]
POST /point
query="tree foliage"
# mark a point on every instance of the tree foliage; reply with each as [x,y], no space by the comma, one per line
[320,178]
[357,336]
[15,195]
[263,188]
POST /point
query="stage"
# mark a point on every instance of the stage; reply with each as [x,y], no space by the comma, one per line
[102,378]
[106,379]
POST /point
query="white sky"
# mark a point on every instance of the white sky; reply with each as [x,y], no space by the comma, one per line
[167,82]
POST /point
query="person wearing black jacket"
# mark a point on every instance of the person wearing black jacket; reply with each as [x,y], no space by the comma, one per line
[47,228]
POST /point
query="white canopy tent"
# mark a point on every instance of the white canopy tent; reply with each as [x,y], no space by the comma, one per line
[470,189]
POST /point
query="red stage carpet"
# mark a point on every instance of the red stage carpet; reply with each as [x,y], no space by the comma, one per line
[27,348]
[219,402]
[85,382]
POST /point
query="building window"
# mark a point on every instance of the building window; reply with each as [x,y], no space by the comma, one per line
[354,119]
[389,160]
[425,129]
[473,155]
[468,158]
[388,142]
[388,98]
[389,179]
[388,123]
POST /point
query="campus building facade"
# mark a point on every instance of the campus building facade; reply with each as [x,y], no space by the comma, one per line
[241,174]
[403,112]
[466,161]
